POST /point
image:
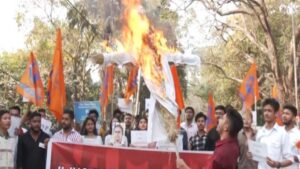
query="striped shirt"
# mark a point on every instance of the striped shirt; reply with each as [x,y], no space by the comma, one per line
[72,137]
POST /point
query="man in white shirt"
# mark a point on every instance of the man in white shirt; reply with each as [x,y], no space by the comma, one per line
[289,118]
[274,137]
[189,126]
[67,133]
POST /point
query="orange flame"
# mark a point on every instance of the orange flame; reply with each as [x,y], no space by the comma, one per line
[143,41]
[298,144]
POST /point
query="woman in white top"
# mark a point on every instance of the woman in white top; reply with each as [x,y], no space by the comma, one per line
[117,138]
[89,132]
[7,144]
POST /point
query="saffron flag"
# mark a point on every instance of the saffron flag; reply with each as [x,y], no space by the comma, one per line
[132,82]
[56,91]
[249,88]
[106,88]
[275,95]
[274,92]
[211,114]
[178,93]
[31,85]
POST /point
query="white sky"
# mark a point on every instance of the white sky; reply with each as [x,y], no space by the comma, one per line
[12,37]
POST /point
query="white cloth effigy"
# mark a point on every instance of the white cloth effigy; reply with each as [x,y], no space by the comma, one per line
[163,94]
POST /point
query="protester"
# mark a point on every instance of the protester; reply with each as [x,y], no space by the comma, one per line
[7,143]
[113,122]
[118,114]
[142,123]
[103,130]
[274,137]
[68,133]
[185,141]
[43,113]
[247,133]
[213,136]
[197,142]
[117,138]
[89,132]
[128,124]
[94,115]
[31,151]
[15,111]
[189,126]
[227,149]
[289,120]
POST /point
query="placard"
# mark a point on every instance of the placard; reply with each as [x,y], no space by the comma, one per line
[46,126]
[139,138]
[258,151]
[15,123]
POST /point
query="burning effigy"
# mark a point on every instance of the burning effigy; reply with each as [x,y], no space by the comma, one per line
[145,46]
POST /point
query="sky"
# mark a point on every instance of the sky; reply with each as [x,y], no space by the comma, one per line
[11,37]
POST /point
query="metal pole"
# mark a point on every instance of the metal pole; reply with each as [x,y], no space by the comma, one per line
[294,58]
[137,101]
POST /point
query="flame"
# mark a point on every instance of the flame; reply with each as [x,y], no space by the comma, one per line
[143,41]
[298,144]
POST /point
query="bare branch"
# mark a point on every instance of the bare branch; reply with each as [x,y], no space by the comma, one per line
[233,12]
[223,72]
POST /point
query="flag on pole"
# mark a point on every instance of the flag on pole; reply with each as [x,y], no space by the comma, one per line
[178,93]
[249,91]
[106,88]
[275,95]
[56,92]
[31,85]
[274,92]
[211,114]
[132,82]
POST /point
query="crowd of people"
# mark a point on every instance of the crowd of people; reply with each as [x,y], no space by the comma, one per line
[228,139]
[231,138]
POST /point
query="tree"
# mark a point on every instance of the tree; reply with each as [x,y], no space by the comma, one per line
[255,28]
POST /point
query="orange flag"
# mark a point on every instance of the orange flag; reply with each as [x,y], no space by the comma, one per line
[106,89]
[275,95]
[211,114]
[274,92]
[249,88]
[31,85]
[178,93]
[56,83]
[132,82]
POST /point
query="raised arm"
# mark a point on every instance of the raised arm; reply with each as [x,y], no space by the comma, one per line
[112,58]
[183,59]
